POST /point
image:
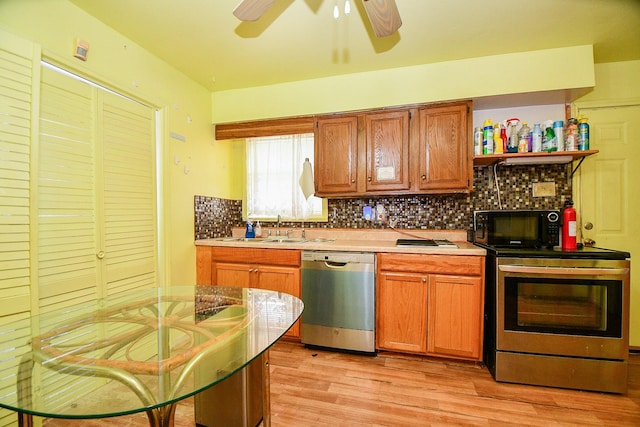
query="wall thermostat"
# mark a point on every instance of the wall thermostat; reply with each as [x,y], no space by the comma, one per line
[81,49]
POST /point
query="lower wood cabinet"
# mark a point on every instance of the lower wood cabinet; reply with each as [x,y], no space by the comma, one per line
[273,269]
[430,304]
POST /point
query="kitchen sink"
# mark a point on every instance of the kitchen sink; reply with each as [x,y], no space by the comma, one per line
[274,240]
[286,239]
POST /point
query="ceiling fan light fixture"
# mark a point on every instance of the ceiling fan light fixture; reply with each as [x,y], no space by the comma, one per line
[347,7]
[336,11]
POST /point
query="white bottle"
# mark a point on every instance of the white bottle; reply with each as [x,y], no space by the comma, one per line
[258,229]
[536,138]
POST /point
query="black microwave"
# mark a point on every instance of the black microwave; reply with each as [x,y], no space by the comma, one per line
[517,228]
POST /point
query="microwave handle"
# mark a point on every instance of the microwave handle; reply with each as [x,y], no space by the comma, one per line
[563,270]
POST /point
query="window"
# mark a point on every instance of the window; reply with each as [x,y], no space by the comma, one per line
[274,167]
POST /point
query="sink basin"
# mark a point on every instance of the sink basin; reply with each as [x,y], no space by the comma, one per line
[286,239]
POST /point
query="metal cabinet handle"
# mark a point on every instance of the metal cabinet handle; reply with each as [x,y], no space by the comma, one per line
[588,226]
[589,242]
[424,177]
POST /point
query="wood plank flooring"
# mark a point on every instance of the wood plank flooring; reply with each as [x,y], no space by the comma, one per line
[322,388]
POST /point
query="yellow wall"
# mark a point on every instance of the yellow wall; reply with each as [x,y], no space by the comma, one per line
[517,73]
[615,81]
[118,62]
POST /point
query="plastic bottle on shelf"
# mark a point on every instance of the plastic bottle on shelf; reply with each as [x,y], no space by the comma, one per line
[571,137]
[512,145]
[583,133]
[523,138]
[549,140]
[498,148]
[503,137]
[536,138]
[477,141]
[487,138]
[558,129]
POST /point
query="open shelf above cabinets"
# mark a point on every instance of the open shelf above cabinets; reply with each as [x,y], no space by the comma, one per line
[557,157]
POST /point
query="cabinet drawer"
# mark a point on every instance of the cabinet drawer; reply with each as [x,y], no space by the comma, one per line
[289,257]
[468,265]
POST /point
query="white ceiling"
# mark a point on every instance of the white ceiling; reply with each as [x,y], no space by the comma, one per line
[299,39]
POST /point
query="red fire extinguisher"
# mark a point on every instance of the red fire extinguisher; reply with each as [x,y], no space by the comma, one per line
[568,226]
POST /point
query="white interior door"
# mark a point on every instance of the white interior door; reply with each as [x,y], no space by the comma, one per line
[608,185]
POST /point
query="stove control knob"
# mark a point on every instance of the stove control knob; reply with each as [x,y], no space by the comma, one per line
[588,226]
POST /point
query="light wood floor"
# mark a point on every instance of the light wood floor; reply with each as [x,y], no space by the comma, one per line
[320,388]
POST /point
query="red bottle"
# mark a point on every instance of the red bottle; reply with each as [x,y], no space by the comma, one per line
[568,226]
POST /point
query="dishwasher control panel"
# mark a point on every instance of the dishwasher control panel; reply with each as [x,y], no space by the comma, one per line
[341,257]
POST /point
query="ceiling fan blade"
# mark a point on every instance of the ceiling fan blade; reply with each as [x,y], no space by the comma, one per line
[383,15]
[251,10]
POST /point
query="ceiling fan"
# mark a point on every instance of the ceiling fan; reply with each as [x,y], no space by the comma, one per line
[383,14]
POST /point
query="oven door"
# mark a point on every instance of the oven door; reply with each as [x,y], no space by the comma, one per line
[565,307]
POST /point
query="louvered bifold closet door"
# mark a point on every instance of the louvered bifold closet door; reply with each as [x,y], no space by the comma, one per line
[128,171]
[18,93]
[67,241]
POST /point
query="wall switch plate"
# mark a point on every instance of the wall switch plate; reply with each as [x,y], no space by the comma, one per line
[544,189]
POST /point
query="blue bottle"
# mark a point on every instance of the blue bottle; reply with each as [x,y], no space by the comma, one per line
[249,233]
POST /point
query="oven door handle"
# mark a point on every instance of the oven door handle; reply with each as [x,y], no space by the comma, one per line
[563,270]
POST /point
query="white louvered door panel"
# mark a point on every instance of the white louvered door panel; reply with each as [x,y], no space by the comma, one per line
[67,243]
[16,92]
[18,95]
[128,171]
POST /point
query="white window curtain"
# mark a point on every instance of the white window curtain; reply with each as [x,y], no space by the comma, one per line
[274,167]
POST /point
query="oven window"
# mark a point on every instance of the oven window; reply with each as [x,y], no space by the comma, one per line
[561,306]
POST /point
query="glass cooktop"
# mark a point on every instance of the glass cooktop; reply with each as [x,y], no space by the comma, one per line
[556,252]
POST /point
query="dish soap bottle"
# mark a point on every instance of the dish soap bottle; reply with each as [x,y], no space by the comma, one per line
[249,233]
[257,229]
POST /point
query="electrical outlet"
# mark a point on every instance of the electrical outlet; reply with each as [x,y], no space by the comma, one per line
[544,189]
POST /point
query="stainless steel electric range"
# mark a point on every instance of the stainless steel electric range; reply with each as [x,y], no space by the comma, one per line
[558,318]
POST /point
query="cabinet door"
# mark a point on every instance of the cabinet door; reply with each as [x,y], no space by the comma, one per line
[336,155]
[401,317]
[455,318]
[281,279]
[231,274]
[445,163]
[387,142]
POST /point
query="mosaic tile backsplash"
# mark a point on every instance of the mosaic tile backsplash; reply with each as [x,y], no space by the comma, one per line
[216,217]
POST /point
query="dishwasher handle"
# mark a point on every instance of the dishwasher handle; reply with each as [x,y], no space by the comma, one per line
[335,264]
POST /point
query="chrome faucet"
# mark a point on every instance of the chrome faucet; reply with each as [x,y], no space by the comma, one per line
[278,226]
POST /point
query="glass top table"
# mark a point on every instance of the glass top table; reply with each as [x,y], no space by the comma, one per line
[137,351]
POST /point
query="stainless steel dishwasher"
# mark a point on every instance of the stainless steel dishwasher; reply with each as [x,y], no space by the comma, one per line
[338,291]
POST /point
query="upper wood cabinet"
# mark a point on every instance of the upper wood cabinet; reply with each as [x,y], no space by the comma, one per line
[408,150]
[336,155]
[387,148]
[444,152]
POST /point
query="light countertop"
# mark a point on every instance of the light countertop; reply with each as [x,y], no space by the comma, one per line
[353,241]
